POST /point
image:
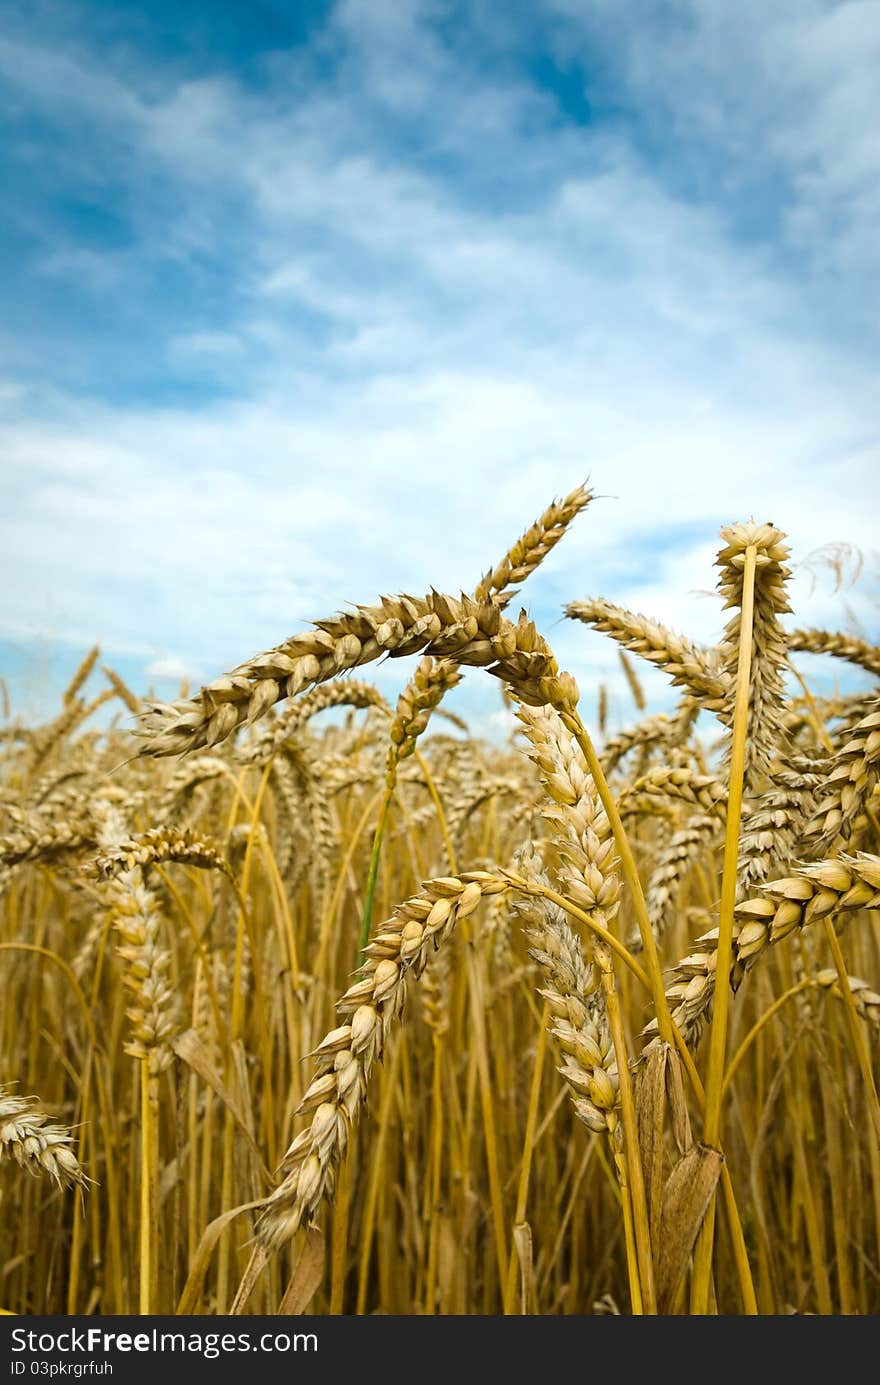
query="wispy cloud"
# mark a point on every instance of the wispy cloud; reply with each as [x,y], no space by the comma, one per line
[343,319]
[173,670]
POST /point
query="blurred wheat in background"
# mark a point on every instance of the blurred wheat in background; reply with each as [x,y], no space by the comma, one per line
[321,1011]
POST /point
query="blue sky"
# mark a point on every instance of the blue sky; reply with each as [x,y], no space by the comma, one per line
[306,302]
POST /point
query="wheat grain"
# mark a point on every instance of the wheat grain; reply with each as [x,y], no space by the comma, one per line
[653,731]
[815,892]
[849,783]
[573,992]
[697,670]
[464,630]
[676,860]
[766,727]
[841,646]
[36,1142]
[704,791]
[160,844]
[351,693]
[532,548]
[400,948]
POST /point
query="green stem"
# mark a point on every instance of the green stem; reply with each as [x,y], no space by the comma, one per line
[373,873]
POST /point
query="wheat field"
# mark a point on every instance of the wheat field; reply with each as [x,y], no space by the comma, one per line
[307,1012]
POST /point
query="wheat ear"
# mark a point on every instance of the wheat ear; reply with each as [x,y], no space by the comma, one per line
[370,1007]
[687,665]
[766,708]
[467,631]
[782,907]
[36,1142]
[848,647]
[532,547]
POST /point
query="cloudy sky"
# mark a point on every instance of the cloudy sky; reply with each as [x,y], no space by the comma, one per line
[304,301]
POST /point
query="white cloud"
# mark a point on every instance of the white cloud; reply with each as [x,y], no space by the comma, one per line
[778,94]
[417,369]
[171,669]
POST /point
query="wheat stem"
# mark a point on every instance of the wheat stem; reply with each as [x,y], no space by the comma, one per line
[718,1037]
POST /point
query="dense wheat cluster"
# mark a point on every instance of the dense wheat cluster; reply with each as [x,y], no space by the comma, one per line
[311,1001]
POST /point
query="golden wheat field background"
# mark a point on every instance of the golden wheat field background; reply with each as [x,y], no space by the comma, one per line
[326,1013]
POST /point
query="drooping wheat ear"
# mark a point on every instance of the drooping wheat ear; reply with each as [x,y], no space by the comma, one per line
[467,631]
[466,807]
[182,846]
[517,564]
[848,647]
[418,821]
[800,714]
[698,670]
[53,788]
[37,840]
[850,711]
[198,770]
[766,726]
[532,547]
[81,675]
[37,1143]
[704,791]
[351,693]
[583,836]
[865,998]
[658,730]
[400,948]
[675,862]
[429,684]
[814,892]
[850,781]
[573,992]
[771,830]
